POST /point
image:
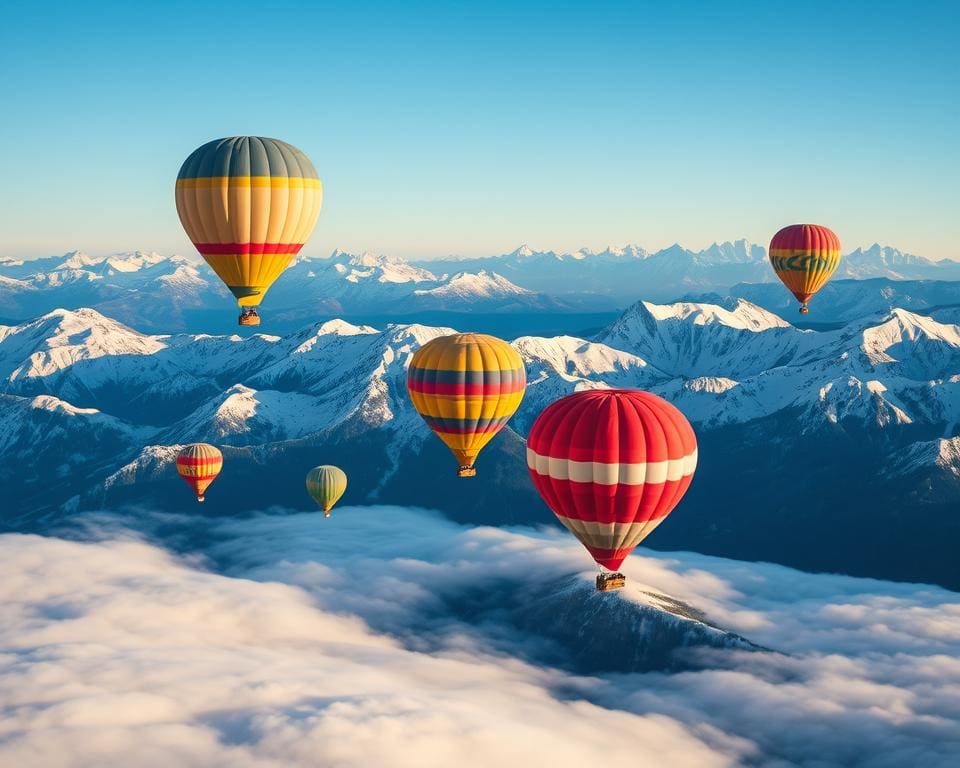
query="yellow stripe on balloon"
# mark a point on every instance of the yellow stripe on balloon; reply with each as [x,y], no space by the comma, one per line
[221,182]
[459,407]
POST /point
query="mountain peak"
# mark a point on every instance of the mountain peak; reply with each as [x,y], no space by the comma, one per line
[338,327]
[941,456]
[366,267]
[368,259]
[695,340]
[476,285]
[56,340]
[912,325]
[82,316]
[51,403]
[737,252]
[77,260]
[744,315]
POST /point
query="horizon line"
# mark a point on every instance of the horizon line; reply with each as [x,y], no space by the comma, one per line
[587,250]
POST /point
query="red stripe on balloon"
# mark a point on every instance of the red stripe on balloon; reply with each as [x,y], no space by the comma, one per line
[247,249]
[596,503]
[611,427]
[190,461]
[808,237]
[610,558]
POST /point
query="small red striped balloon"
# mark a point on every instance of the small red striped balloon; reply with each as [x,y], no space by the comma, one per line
[611,464]
[804,256]
[199,464]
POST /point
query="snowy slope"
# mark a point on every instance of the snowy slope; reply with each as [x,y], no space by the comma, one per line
[690,340]
[357,283]
[616,276]
[150,289]
[52,450]
[159,293]
[91,395]
[561,365]
[465,285]
[884,261]
[722,366]
[482,291]
[843,300]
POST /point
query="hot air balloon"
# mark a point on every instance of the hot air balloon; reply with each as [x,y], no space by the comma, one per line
[199,464]
[804,256]
[326,485]
[466,387]
[248,204]
[611,464]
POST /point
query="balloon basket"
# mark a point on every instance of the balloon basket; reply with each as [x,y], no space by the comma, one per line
[607,582]
[249,317]
[804,310]
[466,472]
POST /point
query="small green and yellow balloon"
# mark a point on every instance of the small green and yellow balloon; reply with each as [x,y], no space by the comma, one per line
[326,485]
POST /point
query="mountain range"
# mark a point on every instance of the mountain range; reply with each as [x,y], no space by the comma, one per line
[170,294]
[161,293]
[616,277]
[827,450]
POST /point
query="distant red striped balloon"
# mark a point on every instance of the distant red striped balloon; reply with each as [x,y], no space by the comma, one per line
[199,464]
[804,256]
[611,464]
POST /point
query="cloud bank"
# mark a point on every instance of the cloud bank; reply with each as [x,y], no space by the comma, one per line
[368,640]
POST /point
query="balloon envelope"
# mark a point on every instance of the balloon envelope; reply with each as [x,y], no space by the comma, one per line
[326,484]
[249,204]
[466,387]
[611,464]
[199,464]
[804,256]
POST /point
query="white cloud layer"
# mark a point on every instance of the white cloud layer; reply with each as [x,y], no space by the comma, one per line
[296,641]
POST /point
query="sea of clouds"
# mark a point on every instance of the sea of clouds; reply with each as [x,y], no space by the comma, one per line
[290,640]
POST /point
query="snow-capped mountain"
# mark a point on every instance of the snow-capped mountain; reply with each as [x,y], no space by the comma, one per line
[845,300]
[615,277]
[157,293]
[88,397]
[489,290]
[169,294]
[347,282]
[561,365]
[638,630]
[691,340]
[147,290]
[51,448]
[884,261]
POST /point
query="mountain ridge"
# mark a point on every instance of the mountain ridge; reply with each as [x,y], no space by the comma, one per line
[758,391]
[172,293]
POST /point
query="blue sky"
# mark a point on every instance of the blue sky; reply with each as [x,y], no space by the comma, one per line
[444,128]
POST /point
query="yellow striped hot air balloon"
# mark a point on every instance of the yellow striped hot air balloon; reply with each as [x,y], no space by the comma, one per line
[804,256]
[199,464]
[466,387]
[326,484]
[248,204]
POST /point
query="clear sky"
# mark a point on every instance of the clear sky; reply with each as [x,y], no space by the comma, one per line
[462,128]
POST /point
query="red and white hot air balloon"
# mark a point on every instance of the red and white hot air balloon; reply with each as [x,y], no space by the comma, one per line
[611,464]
